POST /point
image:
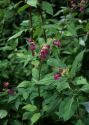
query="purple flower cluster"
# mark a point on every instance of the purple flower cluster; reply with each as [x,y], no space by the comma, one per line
[44,52]
[32,45]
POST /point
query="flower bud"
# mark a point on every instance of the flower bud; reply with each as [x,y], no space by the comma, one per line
[6,84]
[44,52]
[56,43]
[57,76]
[10,91]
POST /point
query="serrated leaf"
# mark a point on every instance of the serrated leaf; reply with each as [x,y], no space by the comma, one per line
[62,84]
[3,113]
[30,108]
[35,118]
[35,73]
[47,80]
[67,108]
[32,3]
[23,84]
[76,64]
[55,62]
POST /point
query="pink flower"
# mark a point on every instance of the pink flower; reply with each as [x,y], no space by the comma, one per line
[10,91]
[56,43]
[82,9]
[6,84]
[32,46]
[44,52]
[57,76]
[29,40]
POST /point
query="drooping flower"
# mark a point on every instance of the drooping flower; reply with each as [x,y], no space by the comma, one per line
[31,45]
[10,91]
[82,9]
[29,40]
[57,43]
[44,52]
[6,84]
[57,76]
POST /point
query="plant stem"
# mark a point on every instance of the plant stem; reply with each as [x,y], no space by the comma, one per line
[40,105]
[39,94]
[31,24]
[42,18]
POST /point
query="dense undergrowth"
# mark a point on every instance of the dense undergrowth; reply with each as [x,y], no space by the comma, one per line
[44,62]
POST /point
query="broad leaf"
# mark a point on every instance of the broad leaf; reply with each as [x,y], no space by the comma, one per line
[35,118]
[47,80]
[24,84]
[30,108]
[47,7]
[80,81]
[16,35]
[67,108]
[3,113]
[55,62]
[26,115]
[32,3]
[76,64]
[62,84]
[35,73]
[85,88]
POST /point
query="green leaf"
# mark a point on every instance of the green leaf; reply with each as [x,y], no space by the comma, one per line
[21,9]
[76,64]
[85,88]
[35,73]
[30,108]
[25,95]
[23,84]
[47,7]
[80,81]
[47,80]
[35,118]
[67,108]
[26,115]
[32,3]
[62,84]
[72,29]
[81,42]
[16,122]
[55,62]
[3,113]
[16,35]
[79,122]
[17,103]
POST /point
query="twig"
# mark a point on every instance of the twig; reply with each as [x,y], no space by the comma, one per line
[42,18]
[31,24]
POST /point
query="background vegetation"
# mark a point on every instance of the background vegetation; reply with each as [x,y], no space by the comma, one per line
[44,62]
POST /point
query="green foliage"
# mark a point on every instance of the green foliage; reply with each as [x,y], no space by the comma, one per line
[45,83]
